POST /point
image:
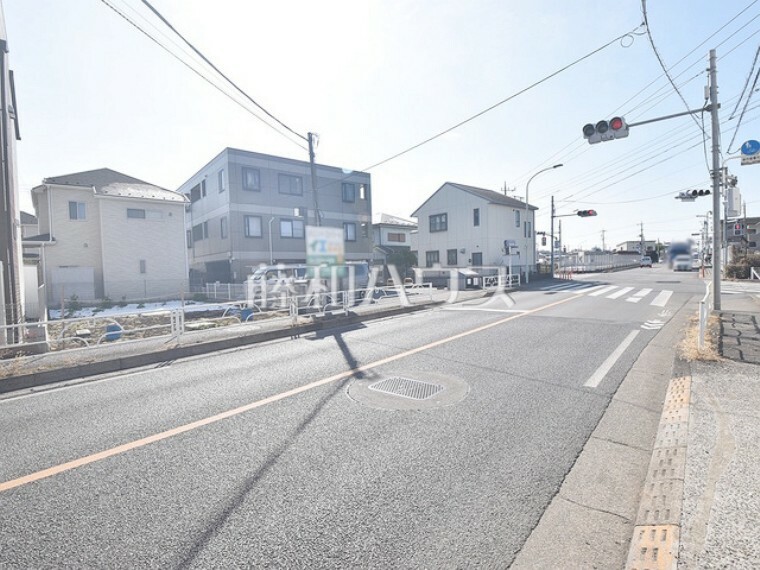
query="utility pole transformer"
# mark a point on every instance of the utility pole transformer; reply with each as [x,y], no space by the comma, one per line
[716,174]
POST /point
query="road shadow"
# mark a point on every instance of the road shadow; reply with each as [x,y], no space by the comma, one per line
[238,497]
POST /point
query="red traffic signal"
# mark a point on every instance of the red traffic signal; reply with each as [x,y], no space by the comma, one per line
[615,128]
[586,213]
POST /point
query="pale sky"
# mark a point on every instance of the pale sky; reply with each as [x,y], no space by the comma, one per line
[375,77]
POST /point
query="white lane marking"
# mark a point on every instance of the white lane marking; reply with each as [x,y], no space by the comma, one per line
[618,294]
[638,295]
[653,325]
[607,365]
[560,287]
[589,289]
[661,299]
[603,291]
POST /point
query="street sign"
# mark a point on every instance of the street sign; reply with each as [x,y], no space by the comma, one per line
[750,148]
[754,159]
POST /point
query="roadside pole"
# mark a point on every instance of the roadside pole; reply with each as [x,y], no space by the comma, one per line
[313,180]
[716,174]
[551,237]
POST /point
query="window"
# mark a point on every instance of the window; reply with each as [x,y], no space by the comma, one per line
[197,232]
[364,191]
[136,213]
[252,226]
[526,229]
[365,230]
[289,184]
[251,179]
[517,218]
[349,192]
[431,258]
[143,266]
[451,256]
[205,230]
[77,211]
[477,259]
[195,193]
[223,227]
[438,223]
[397,237]
[221,180]
[476,217]
[203,188]
[349,231]
[189,238]
[291,229]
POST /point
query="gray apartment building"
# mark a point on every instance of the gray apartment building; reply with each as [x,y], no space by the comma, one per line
[248,208]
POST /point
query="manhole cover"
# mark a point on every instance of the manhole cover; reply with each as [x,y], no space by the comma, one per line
[407,388]
[406,391]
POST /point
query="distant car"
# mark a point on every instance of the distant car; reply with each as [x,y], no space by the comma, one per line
[682,263]
[646,261]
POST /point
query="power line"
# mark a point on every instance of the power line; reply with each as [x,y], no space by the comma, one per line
[744,110]
[513,96]
[215,68]
[198,73]
[662,64]
[580,144]
[746,84]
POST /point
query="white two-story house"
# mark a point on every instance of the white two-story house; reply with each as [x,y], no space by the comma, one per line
[106,234]
[465,226]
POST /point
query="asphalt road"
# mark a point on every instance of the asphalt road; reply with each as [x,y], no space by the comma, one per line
[278,455]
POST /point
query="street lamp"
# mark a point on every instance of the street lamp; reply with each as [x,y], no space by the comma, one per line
[525,231]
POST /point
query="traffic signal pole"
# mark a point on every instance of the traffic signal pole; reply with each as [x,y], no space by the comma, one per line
[551,237]
[716,174]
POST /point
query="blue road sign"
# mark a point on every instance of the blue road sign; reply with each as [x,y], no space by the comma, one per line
[751,147]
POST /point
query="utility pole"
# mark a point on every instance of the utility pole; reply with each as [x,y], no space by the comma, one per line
[604,247]
[642,248]
[560,236]
[716,173]
[317,215]
[551,237]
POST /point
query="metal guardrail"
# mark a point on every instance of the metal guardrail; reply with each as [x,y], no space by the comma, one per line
[705,309]
[82,333]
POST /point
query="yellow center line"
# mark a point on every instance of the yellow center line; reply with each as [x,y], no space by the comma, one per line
[119,449]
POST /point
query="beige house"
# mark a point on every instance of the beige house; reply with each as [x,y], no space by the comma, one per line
[105,234]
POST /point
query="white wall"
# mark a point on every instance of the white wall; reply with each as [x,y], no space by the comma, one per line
[159,240]
[497,223]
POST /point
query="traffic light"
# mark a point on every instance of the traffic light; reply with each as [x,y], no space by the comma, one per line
[738,229]
[586,213]
[691,195]
[615,128]
[543,240]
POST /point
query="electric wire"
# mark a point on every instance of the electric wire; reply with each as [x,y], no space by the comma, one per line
[662,63]
[198,73]
[215,68]
[505,100]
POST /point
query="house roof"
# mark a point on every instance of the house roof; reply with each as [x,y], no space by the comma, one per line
[107,182]
[391,220]
[491,196]
[27,218]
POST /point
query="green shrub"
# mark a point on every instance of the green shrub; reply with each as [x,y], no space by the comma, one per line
[105,303]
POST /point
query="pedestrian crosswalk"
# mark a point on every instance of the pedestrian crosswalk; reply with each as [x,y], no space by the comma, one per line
[614,292]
